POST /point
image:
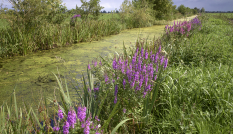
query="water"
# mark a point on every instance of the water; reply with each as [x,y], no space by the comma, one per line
[32,74]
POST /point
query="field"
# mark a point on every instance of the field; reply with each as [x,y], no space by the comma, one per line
[179,83]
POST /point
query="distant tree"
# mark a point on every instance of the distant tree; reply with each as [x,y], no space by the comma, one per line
[161,7]
[197,9]
[109,12]
[182,9]
[104,11]
[117,11]
[202,10]
[92,7]
[28,14]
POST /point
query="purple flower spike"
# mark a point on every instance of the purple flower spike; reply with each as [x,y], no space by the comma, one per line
[71,118]
[60,114]
[124,83]
[165,63]
[89,66]
[87,127]
[56,128]
[124,110]
[114,64]
[115,100]
[81,114]
[96,89]
[115,94]
[146,55]
[66,128]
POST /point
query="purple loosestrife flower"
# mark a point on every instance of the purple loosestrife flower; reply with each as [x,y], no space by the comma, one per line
[134,59]
[142,52]
[136,76]
[156,57]
[146,54]
[66,128]
[81,114]
[114,64]
[146,79]
[116,90]
[115,100]
[95,63]
[87,127]
[71,118]
[96,118]
[60,114]
[144,69]
[89,66]
[162,59]
[124,83]
[56,128]
[106,79]
[100,63]
[96,89]
[155,77]
[157,68]
[165,63]
[124,110]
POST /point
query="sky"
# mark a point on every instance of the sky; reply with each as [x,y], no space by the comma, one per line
[110,5]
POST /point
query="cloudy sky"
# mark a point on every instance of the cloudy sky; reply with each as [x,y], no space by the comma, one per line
[209,5]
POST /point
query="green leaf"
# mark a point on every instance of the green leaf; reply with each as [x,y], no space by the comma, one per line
[121,123]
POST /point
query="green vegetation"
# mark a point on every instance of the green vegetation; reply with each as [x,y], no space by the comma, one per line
[31,29]
[179,83]
[190,78]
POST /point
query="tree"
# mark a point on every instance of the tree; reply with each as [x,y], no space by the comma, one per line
[92,7]
[104,11]
[182,9]
[202,10]
[29,14]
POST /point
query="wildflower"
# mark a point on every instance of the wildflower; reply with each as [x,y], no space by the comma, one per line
[136,76]
[124,83]
[71,118]
[96,89]
[106,79]
[124,110]
[89,66]
[96,117]
[114,64]
[100,63]
[146,55]
[87,127]
[66,128]
[81,114]
[115,94]
[165,63]
[95,63]
[56,128]
[161,60]
[115,100]
[60,114]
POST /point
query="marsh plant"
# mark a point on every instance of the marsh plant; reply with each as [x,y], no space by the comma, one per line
[150,88]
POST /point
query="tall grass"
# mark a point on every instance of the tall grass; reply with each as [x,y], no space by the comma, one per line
[187,95]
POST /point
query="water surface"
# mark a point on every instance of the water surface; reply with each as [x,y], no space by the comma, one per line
[32,74]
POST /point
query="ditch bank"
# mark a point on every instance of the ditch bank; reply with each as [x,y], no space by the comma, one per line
[32,75]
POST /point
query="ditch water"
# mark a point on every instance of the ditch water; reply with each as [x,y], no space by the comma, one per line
[32,75]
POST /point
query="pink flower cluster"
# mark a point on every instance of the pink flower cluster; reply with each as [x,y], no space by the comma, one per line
[183,28]
[72,118]
[137,73]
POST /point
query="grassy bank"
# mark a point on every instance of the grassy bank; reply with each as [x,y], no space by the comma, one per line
[179,83]
[20,40]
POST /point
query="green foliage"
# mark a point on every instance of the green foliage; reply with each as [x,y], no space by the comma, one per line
[202,10]
[92,7]
[134,16]
[182,9]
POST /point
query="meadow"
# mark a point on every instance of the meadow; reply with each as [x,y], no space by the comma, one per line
[179,83]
